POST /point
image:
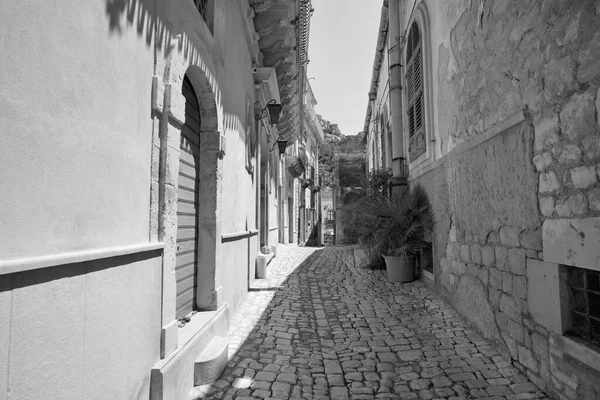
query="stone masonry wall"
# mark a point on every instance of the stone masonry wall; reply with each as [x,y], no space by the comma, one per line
[504,198]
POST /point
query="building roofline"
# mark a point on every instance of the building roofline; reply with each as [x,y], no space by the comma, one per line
[380,47]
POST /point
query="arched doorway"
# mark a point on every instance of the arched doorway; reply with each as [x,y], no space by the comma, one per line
[186,270]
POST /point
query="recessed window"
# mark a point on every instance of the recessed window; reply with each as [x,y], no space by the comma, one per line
[584,285]
[414,92]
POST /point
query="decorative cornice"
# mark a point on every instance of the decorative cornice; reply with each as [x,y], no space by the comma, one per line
[277,63]
[267,30]
[274,47]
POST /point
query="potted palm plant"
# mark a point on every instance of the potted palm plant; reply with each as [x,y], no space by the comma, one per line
[405,221]
[392,228]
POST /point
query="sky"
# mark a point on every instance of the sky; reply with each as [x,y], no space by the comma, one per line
[343,36]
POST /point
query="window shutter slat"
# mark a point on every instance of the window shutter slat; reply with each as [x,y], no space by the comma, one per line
[414,91]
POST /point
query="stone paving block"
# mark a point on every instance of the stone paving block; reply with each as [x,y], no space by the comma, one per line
[335,331]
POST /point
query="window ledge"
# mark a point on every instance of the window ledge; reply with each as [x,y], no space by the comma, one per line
[577,349]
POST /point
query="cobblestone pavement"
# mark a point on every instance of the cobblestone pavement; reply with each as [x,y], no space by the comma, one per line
[321,328]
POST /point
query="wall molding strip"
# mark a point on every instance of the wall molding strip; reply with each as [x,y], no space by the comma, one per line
[232,237]
[53,260]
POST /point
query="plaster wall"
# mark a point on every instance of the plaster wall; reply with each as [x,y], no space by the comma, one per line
[81,163]
[514,104]
[85,330]
[225,64]
[74,165]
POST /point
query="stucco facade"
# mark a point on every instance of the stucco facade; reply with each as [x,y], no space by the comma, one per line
[94,109]
[510,99]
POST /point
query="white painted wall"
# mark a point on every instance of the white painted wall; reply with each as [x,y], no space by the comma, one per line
[75,170]
[81,331]
[75,147]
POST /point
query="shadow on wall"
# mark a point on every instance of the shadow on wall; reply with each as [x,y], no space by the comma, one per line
[145,16]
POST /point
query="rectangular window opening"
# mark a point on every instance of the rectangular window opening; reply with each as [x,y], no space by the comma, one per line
[584,304]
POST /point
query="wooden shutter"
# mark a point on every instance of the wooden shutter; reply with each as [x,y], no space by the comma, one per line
[187,205]
[414,92]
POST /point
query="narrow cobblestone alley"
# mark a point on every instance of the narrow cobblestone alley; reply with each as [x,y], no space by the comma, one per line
[321,328]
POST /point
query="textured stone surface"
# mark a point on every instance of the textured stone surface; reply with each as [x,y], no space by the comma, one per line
[543,294]
[582,177]
[572,242]
[548,182]
[578,116]
[382,340]
[483,200]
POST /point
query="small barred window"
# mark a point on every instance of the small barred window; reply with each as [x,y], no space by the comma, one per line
[584,287]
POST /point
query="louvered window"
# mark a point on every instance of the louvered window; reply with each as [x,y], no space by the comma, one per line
[414,92]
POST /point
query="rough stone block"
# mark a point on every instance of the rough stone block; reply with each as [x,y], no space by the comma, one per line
[563,208]
[493,238]
[546,132]
[539,345]
[544,294]
[484,275]
[464,253]
[472,269]
[531,239]
[511,307]
[520,287]
[572,242]
[507,283]
[542,161]
[494,296]
[578,204]
[559,77]
[502,321]
[516,260]
[512,345]
[471,300]
[516,331]
[594,199]
[487,256]
[548,182]
[569,154]
[578,116]
[546,206]
[509,236]
[459,268]
[496,279]
[476,254]
[501,254]
[590,146]
[526,358]
[582,177]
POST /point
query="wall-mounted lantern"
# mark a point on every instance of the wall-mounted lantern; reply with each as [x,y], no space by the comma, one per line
[273,109]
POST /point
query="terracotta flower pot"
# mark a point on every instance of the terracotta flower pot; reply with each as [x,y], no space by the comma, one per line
[400,269]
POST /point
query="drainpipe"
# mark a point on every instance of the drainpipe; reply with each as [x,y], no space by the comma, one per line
[399,181]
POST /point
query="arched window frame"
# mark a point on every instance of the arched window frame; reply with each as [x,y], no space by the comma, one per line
[417,159]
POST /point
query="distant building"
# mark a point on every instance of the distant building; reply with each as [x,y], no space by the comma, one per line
[349,177]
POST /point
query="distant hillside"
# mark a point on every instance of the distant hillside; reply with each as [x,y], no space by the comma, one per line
[332,135]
